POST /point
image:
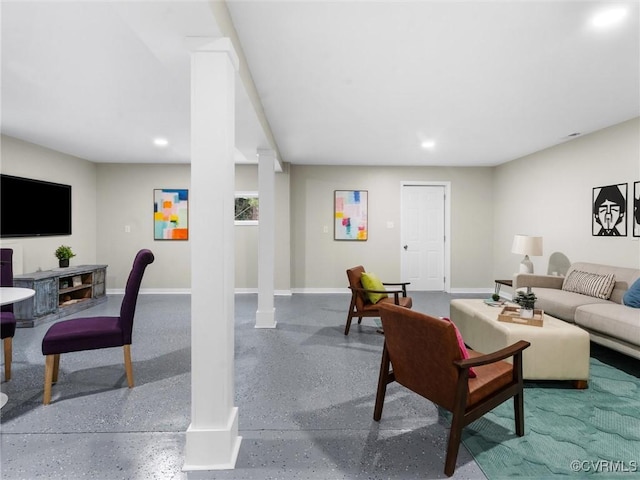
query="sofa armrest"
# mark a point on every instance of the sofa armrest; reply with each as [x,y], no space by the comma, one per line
[542,281]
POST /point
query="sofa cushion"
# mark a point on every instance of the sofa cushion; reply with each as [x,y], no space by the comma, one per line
[370,281]
[591,284]
[624,276]
[631,297]
[562,304]
[611,319]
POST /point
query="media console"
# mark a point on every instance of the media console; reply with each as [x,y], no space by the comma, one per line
[59,292]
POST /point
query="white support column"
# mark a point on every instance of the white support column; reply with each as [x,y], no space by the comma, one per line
[265,316]
[212,441]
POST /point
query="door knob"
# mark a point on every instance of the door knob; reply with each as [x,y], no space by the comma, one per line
[405,247]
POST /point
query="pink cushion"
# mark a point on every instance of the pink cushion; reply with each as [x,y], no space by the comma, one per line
[463,347]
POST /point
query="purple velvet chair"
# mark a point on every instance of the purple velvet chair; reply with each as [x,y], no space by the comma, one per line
[91,333]
[8,326]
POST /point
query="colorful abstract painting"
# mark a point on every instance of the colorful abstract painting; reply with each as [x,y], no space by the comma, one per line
[350,215]
[171,214]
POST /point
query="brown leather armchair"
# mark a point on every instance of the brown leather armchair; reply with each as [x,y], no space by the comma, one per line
[427,359]
[360,304]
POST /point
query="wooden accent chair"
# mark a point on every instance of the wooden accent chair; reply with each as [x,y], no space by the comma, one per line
[7,319]
[427,358]
[92,333]
[361,306]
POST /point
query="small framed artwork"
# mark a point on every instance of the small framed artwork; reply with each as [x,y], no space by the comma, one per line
[350,215]
[636,209]
[609,205]
[171,214]
[247,208]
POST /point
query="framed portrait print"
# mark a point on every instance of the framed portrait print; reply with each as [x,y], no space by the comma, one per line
[171,214]
[608,213]
[635,208]
[350,215]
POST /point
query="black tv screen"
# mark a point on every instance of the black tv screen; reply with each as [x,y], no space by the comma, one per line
[33,208]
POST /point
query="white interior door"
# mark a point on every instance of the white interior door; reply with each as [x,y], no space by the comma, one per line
[423,236]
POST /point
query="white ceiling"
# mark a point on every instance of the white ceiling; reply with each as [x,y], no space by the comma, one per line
[343,82]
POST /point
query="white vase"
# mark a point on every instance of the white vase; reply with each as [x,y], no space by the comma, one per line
[526,313]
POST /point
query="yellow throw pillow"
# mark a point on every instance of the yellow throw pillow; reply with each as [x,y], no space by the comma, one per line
[370,281]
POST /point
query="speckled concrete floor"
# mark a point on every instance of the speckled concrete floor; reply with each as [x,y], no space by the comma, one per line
[305,394]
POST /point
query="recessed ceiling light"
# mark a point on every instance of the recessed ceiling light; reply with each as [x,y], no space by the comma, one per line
[428,144]
[609,17]
[160,142]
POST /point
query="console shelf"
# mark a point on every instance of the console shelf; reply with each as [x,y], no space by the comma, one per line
[59,292]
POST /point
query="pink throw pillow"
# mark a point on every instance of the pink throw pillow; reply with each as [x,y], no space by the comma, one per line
[463,347]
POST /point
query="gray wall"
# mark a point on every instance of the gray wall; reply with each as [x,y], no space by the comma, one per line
[547,193]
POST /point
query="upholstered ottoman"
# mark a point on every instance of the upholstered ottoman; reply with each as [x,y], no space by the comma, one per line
[558,351]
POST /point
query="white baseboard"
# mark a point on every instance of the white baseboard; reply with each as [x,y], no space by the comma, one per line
[187,291]
[475,291]
[152,291]
[321,290]
[288,293]
[254,291]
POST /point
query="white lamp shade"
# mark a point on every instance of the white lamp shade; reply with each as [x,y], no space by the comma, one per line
[527,245]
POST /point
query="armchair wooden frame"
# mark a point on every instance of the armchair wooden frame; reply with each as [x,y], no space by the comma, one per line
[466,398]
[361,306]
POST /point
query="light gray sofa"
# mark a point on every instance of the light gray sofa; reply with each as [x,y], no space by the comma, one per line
[609,322]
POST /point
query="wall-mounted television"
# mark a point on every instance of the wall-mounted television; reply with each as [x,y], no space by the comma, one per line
[33,208]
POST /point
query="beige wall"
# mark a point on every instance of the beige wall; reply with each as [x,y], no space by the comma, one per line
[246,267]
[283,229]
[125,198]
[109,197]
[549,193]
[24,159]
[133,186]
[319,262]
[247,236]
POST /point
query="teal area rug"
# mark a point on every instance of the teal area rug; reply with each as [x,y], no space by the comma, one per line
[593,433]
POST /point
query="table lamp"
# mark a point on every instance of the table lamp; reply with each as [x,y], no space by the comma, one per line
[527,245]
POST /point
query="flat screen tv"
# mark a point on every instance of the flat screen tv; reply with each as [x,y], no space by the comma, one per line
[33,208]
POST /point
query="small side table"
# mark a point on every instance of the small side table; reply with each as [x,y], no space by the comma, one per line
[506,283]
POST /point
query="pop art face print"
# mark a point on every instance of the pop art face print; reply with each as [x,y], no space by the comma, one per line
[609,211]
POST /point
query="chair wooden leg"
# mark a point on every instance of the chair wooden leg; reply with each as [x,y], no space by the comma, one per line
[518,405]
[348,325]
[359,320]
[48,378]
[56,367]
[8,356]
[455,435]
[383,380]
[127,365]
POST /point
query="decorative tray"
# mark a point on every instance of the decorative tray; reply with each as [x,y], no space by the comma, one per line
[512,315]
